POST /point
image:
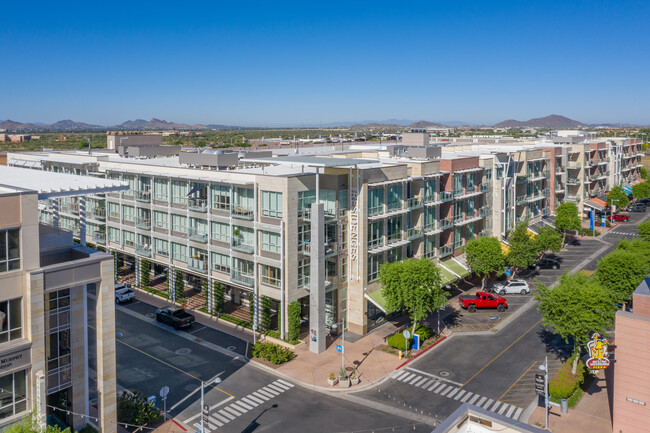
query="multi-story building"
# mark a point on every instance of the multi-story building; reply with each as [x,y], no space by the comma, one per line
[246,220]
[47,283]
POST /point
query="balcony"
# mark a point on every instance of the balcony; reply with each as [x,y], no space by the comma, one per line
[522,199]
[241,213]
[328,215]
[574,164]
[522,178]
[197,204]
[469,217]
[304,247]
[99,238]
[375,243]
[467,192]
[376,210]
[484,187]
[572,198]
[197,235]
[239,244]
[72,208]
[414,233]
[445,251]
[458,244]
[98,213]
[143,196]
[445,224]
[559,170]
[394,237]
[573,181]
[546,211]
[143,250]
[485,232]
[242,278]
[197,265]
[445,196]
[143,223]
[431,198]
[415,202]
[484,211]
[459,218]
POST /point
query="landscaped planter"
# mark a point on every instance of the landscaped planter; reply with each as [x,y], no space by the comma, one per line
[333,382]
[344,383]
[354,380]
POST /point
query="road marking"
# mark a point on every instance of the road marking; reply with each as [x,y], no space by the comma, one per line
[510,411]
[406,376]
[440,388]
[289,384]
[414,379]
[480,402]
[255,399]
[281,386]
[260,396]
[215,421]
[275,387]
[220,417]
[476,396]
[433,375]
[249,400]
[452,393]
[270,390]
[449,388]
[503,408]
[239,405]
[426,385]
[424,379]
[502,352]
[225,413]
[265,393]
[232,410]
[467,396]
[433,386]
[459,395]
[399,374]
[518,379]
[517,413]
[213,407]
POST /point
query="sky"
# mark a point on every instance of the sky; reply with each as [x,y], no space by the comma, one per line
[310,63]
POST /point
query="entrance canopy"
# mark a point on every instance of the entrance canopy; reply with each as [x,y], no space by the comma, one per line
[456,268]
[596,204]
[378,300]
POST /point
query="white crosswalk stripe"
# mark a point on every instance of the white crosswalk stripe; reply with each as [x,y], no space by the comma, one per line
[481,401]
[449,388]
[467,396]
[232,410]
[406,377]
[435,385]
[213,420]
[510,411]
[476,397]
[414,379]
[260,396]
[517,413]
[242,407]
[284,382]
[275,387]
[280,385]
[267,389]
[249,401]
[503,408]
[424,379]
[452,393]
[426,385]
[460,394]
[400,374]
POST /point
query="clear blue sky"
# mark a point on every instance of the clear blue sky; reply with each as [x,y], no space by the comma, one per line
[280,63]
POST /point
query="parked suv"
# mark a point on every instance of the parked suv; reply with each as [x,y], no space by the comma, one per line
[637,207]
[546,264]
[512,286]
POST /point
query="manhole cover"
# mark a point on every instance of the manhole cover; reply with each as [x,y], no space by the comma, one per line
[232,348]
[183,351]
[119,334]
[444,373]
[494,318]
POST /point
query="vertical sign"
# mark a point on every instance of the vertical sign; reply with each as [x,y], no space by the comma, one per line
[540,385]
[591,220]
[354,227]
[602,220]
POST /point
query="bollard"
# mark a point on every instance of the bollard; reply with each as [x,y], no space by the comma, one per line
[564,405]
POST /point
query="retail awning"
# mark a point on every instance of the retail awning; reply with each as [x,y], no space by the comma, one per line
[377,298]
[456,268]
[446,276]
[627,189]
[596,203]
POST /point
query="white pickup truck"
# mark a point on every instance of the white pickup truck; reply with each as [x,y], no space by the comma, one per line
[123,293]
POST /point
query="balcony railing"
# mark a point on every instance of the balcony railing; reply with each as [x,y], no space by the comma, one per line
[376,210]
[484,211]
[245,279]
[98,213]
[143,223]
[431,227]
[522,199]
[458,192]
[143,249]
[330,248]
[458,218]
[197,235]
[99,237]
[414,233]
[573,181]
[431,198]
[394,237]
[239,244]
[446,223]
[241,213]
[572,198]
[197,204]
[485,232]
[574,164]
[72,208]
[484,187]
[375,243]
[197,265]
[446,250]
[522,178]
[328,214]
[415,202]
[143,196]
[444,196]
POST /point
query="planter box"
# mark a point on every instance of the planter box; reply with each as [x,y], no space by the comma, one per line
[333,382]
[344,383]
[354,381]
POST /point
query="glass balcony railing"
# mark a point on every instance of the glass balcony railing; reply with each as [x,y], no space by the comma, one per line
[445,196]
[245,279]
[98,213]
[415,202]
[241,212]
[143,196]
[394,237]
[573,181]
[446,223]
[375,243]
[522,199]
[376,210]
[197,265]
[484,187]
[458,218]
[446,250]
[484,211]
[197,235]
[197,204]
[99,237]
[143,223]
[414,233]
[143,249]
[239,244]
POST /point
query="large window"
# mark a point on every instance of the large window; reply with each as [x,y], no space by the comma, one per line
[162,247]
[374,261]
[272,204]
[220,232]
[11,320]
[303,272]
[13,394]
[9,250]
[221,262]
[179,223]
[179,191]
[179,252]
[394,193]
[114,235]
[375,234]
[161,219]
[271,276]
[113,210]
[271,242]
[128,213]
[304,237]
[221,197]
[305,200]
[128,238]
[57,340]
[160,189]
[130,179]
[375,201]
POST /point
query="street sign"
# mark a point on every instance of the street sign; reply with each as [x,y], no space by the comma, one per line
[164,391]
[540,385]
[205,413]
[339,348]
[591,220]
[416,342]
[406,334]
[602,221]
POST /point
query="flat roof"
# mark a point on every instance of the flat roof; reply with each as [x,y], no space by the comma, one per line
[313,161]
[49,184]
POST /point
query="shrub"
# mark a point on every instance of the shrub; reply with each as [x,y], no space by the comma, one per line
[272,352]
[266,312]
[251,306]
[219,294]
[145,271]
[397,341]
[179,286]
[132,408]
[564,384]
[331,376]
[424,332]
[294,320]
[88,429]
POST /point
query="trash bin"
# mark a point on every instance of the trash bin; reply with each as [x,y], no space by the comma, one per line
[564,405]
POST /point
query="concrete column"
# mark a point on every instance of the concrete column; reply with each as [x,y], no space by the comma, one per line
[210,295]
[317,280]
[106,374]
[171,277]
[138,267]
[78,350]
[56,205]
[82,220]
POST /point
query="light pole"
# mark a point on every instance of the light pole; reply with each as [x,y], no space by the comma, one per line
[335,325]
[544,368]
[215,380]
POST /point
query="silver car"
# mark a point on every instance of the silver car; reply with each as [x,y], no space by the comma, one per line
[512,286]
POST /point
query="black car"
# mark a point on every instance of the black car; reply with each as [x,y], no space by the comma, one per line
[546,264]
[645,201]
[637,207]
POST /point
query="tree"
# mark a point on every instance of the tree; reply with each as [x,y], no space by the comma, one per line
[30,424]
[620,272]
[484,256]
[575,308]
[644,230]
[618,197]
[412,285]
[219,293]
[567,218]
[641,190]
[294,320]
[523,251]
[548,239]
[643,172]
[179,286]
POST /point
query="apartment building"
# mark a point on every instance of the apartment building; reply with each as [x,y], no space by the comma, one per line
[46,282]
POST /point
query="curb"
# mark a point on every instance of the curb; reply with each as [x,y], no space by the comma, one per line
[440,340]
[177,423]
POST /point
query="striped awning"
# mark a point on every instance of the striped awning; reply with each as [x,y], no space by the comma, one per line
[627,189]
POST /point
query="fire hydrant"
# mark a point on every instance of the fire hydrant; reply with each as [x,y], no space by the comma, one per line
[400,354]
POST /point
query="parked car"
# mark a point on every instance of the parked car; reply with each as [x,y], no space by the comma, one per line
[546,263]
[174,316]
[645,201]
[512,286]
[123,293]
[482,300]
[636,207]
[620,217]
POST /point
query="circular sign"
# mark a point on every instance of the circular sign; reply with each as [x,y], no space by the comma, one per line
[406,333]
[339,348]
[164,391]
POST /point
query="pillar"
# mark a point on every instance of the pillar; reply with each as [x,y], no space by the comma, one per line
[105,336]
[56,205]
[82,220]
[317,280]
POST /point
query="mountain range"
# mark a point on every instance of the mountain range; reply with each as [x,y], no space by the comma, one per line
[552,121]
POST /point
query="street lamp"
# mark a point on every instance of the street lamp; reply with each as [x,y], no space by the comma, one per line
[216,380]
[544,368]
[334,327]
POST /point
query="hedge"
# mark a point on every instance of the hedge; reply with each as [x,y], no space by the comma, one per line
[272,352]
[397,341]
[294,320]
[564,384]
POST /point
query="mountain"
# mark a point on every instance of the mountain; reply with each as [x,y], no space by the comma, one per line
[70,125]
[154,124]
[549,122]
[425,124]
[10,125]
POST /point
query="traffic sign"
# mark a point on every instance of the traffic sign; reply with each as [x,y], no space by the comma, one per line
[205,413]
[540,385]
[164,391]
[406,334]
[339,348]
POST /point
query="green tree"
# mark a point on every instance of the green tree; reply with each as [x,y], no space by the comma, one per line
[179,286]
[522,249]
[618,197]
[575,308]
[644,230]
[643,172]
[484,256]
[548,240]
[219,298]
[567,218]
[30,424]
[145,271]
[641,190]
[620,272]
[294,310]
[412,285]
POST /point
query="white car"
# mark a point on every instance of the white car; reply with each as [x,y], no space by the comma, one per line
[512,286]
[123,293]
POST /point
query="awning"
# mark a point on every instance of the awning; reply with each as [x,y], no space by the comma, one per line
[456,268]
[627,189]
[446,276]
[596,203]
[377,298]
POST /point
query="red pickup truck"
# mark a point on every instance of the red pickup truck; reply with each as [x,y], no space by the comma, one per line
[482,300]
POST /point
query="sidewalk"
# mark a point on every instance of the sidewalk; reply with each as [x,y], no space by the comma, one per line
[591,414]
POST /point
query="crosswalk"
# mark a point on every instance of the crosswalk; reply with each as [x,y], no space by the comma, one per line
[632,235]
[453,391]
[220,416]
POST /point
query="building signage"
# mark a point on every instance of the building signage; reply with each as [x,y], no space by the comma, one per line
[354,227]
[597,348]
[12,361]
[540,385]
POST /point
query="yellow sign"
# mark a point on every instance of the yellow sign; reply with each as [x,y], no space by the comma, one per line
[597,353]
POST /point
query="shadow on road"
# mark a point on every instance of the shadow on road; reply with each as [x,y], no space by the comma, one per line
[253,425]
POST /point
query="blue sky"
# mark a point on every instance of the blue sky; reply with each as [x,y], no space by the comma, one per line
[286,63]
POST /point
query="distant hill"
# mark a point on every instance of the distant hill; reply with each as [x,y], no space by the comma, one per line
[70,125]
[550,122]
[154,124]
[425,124]
[11,125]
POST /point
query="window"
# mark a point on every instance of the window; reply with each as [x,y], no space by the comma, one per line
[179,223]
[199,227]
[162,247]
[10,320]
[128,238]
[179,191]
[303,272]
[375,201]
[394,229]
[57,339]
[430,189]
[160,189]
[469,207]
[114,235]
[343,263]
[114,210]
[128,213]
[161,219]
[344,201]
[343,231]
[179,252]
[305,200]
[430,246]
[395,255]
[471,177]
[220,232]
[304,237]
[272,204]
[458,184]
[221,262]
[271,242]
[9,250]
[374,262]
[13,394]
[221,197]
[394,193]
[244,199]
[375,234]
[130,179]
[271,276]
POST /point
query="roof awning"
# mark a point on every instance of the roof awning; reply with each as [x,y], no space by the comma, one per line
[456,268]
[627,189]
[446,276]
[378,300]
[596,203]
